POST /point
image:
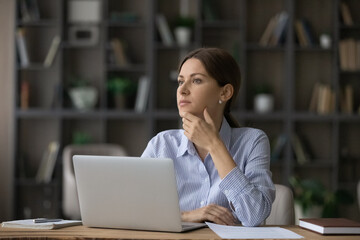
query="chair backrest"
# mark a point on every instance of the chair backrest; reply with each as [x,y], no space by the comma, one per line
[282,212]
[70,203]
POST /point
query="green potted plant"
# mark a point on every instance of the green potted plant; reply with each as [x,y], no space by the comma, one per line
[83,96]
[183,29]
[312,199]
[122,90]
[263,99]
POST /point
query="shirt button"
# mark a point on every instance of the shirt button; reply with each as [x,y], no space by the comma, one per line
[226,192]
[206,180]
[202,203]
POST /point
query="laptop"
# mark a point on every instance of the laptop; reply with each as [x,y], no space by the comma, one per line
[129,193]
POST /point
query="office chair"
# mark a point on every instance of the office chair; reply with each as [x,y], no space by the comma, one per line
[282,211]
[70,204]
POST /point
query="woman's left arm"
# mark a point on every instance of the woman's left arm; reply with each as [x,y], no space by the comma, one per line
[250,192]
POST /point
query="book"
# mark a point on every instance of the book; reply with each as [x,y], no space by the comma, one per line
[308,32]
[52,51]
[301,156]
[300,33]
[278,148]
[280,29]
[30,224]
[345,14]
[22,48]
[118,47]
[265,38]
[142,94]
[24,94]
[164,30]
[47,164]
[330,225]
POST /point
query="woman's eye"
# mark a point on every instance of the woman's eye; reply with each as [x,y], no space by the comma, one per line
[180,82]
[197,80]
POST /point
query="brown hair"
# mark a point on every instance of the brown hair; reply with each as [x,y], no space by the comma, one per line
[224,69]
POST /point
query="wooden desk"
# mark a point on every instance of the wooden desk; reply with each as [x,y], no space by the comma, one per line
[81,232]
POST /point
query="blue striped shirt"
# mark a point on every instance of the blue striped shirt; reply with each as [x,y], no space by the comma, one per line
[247,190]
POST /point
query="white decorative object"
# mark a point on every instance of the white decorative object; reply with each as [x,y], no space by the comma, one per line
[83,98]
[264,103]
[183,36]
[84,11]
[325,41]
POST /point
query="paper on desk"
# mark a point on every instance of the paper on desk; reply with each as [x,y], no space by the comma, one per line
[238,232]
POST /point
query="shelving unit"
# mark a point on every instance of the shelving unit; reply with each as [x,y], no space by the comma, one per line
[289,69]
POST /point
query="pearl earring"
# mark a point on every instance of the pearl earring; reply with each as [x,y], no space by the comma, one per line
[220,102]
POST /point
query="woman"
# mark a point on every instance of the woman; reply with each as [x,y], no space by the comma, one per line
[222,170]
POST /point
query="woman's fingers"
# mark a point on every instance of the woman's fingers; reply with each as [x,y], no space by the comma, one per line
[213,213]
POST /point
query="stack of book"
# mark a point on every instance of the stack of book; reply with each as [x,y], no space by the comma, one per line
[304,33]
[322,99]
[29,10]
[349,52]
[275,30]
[347,99]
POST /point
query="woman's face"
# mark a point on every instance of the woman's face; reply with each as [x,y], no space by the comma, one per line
[197,90]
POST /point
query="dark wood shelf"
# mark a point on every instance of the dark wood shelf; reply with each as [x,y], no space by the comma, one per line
[289,69]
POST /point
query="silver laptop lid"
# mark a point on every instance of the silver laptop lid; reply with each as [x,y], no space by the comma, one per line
[127,192]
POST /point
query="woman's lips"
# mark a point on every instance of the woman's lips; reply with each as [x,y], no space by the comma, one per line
[183,103]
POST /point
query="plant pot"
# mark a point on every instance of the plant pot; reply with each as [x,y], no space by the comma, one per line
[263,103]
[120,101]
[83,98]
[312,212]
[183,36]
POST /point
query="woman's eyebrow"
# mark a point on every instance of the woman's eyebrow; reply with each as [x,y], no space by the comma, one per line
[193,74]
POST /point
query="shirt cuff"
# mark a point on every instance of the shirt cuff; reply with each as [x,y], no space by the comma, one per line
[233,184]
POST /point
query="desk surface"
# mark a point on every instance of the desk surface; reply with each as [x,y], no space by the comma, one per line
[81,232]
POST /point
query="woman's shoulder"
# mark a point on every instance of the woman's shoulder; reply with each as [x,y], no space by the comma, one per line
[173,135]
[248,133]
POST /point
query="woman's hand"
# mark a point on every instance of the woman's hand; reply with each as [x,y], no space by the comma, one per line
[201,133]
[212,213]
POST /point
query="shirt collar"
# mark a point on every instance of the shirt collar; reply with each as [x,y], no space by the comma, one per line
[187,146]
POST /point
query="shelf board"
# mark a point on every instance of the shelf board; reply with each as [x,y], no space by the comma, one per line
[315,164]
[31,182]
[350,27]
[253,46]
[67,45]
[38,113]
[349,117]
[347,72]
[124,24]
[310,116]
[250,115]
[34,67]
[221,24]
[40,23]
[315,48]
[175,47]
[77,114]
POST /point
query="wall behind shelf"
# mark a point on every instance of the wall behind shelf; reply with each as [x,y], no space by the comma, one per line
[6,99]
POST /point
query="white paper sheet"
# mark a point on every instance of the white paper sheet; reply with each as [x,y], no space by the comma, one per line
[238,232]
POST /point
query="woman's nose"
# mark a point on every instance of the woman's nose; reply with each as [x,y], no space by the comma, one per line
[183,89]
